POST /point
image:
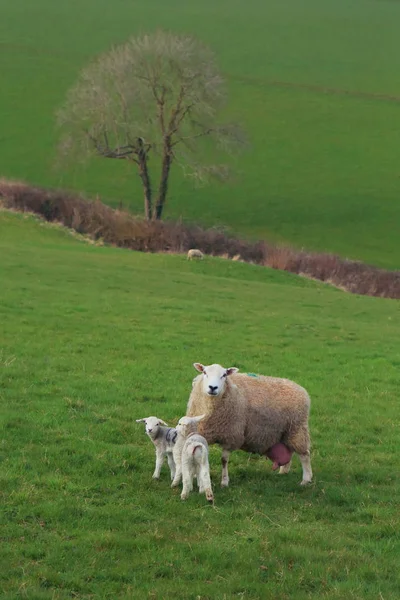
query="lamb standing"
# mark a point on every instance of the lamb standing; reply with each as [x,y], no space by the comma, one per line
[251,413]
[194,457]
[163,438]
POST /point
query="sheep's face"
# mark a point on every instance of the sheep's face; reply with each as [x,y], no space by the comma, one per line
[152,425]
[214,378]
[188,425]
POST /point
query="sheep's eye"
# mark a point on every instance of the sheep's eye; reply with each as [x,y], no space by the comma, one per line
[224,375]
[205,374]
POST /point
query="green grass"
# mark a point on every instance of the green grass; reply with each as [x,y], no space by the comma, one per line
[93,338]
[322,171]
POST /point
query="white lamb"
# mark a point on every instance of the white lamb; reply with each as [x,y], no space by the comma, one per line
[163,438]
[194,457]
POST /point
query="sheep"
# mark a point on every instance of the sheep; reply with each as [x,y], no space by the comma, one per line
[251,413]
[163,438]
[195,253]
[194,457]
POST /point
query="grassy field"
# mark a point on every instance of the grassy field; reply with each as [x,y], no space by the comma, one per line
[315,84]
[93,338]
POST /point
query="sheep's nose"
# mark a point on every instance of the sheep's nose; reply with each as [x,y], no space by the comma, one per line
[213,388]
[150,430]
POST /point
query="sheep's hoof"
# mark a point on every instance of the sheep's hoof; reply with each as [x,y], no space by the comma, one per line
[156,477]
[174,483]
[284,470]
[209,496]
[184,496]
[225,483]
[305,482]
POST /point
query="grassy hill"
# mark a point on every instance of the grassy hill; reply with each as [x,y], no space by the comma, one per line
[93,338]
[315,83]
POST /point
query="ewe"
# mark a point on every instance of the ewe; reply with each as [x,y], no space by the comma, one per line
[194,457]
[251,413]
[164,439]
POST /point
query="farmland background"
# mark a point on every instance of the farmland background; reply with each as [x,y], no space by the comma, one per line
[315,83]
[94,338]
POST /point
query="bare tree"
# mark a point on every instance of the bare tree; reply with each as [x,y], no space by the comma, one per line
[157,94]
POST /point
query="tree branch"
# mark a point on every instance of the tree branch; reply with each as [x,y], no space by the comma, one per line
[193,137]
[172,125]
[160,107]
[138,150]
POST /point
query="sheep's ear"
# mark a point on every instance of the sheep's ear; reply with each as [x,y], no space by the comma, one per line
[199,367]
[140,420]
[232,370]
[163,422]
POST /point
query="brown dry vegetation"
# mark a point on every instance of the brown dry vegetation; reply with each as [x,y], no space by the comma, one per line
[124,230]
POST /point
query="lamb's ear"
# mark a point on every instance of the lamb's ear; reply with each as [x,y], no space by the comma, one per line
[140,420]
[199,367]
[232,370]
[163,422]
[197,419]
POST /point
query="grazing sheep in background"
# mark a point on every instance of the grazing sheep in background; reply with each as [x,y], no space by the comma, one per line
[251,413]
[164,439]
[194,253]
[194,457]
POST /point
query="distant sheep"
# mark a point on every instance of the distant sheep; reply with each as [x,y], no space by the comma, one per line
[194,457]
[195,253]
[163,438]
[251,413]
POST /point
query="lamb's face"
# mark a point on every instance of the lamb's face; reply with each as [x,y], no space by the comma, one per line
[152,425]
[182,425]
[188,425]
[214,378]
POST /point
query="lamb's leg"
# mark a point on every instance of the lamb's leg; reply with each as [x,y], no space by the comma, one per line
[159,463]
[224,461]
[199,476]
[206,482]
[178,469]
[187,480]
[171,464]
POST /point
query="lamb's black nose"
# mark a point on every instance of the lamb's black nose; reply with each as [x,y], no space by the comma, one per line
[213,388]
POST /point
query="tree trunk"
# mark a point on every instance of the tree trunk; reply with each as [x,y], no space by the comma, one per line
[145,177]
[163,188]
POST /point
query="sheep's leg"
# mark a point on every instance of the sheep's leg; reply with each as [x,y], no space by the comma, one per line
[285,468]
[171,464]
[225,461]
[300,443]
[307,471]
[159,463]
